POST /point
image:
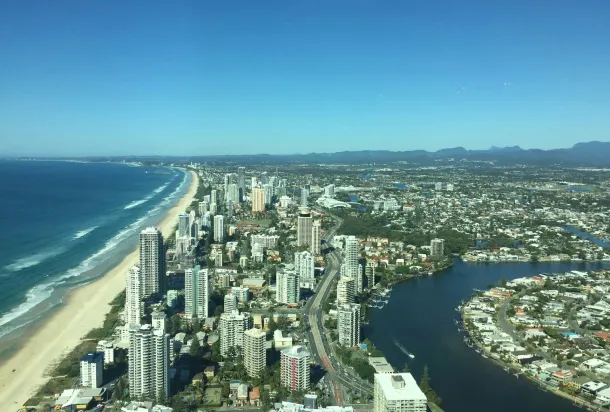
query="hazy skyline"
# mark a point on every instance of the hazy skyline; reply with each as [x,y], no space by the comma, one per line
[278,77]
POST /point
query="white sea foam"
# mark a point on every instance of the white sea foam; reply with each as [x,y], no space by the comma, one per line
[34,296]
[147,198]
[85,232]
[32,260]
[41,292]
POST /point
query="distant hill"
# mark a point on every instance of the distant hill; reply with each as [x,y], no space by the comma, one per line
[581,154]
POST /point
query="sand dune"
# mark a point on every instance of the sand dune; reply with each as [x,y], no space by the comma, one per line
[84,309]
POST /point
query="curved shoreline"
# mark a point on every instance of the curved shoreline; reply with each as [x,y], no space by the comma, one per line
[84,308]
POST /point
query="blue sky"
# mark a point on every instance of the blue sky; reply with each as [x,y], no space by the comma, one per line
[219,77]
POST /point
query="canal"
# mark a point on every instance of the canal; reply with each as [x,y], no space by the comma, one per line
[420,317]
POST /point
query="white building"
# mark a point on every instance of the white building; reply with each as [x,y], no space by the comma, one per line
[285,201]
[152,261]
[346,291]
[329,190]
[315,238]
[184,228]
[92,369]
[268,190]
[437,248]
[134,306]
[287,287]
[108,349]
[390,205]
[255,352]
[230,303]
[304,267]
[295,373]
[242,293]
[158,320]
[232,326]
[350,267]
[266,241]
[196,294]
[232,193]
[258,200]
[148,362]
[304,231]
[304,196]
[219,229]
[398,392]
[203,207]
[348,324]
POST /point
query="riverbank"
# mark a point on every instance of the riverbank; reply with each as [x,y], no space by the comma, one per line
[83,309]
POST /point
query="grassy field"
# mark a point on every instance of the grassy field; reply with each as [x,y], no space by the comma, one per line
[212,397]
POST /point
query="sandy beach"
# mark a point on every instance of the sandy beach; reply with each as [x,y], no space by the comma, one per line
[83,309]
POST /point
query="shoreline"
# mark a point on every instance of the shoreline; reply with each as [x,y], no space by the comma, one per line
[83,309]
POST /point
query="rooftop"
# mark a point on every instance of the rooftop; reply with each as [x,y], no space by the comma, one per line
[399,386]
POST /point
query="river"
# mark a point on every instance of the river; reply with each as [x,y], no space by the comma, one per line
[420,316]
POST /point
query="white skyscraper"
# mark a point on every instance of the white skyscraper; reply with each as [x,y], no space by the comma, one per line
[230,303]
[134,306]
[196,294]
[203,207]
[214,196]
[295,373]
[350,265]
[258,199]
[255,353]
[227,182]
[152,261]
[232,326]
[148,362]
[329,191]
[348,324]
[304,196]
[346,290]
[315,238]
[398,392]
[304,266]
[268,189]
[232,193]
[287,288]
[219,229]
[92,370]
[437,248]
[304,231]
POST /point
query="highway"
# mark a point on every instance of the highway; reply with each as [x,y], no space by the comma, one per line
[337,378]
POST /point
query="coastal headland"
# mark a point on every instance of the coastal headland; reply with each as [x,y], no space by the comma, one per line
[83,309]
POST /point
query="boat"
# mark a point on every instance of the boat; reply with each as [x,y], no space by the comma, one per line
[403,349]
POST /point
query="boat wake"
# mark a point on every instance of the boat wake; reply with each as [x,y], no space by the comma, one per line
[403,349]
[83,233]
[39,293]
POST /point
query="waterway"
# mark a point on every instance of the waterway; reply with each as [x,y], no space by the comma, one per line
[420,316]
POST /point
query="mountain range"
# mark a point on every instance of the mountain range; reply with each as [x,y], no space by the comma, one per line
[594,153]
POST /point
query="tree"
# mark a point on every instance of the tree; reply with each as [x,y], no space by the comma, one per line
[162,397]
[425,387]
[405,368]
[195,347]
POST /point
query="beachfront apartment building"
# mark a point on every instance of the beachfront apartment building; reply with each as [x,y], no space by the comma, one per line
[92,370]
[134,305]
[398,392]
[148,367]
[304,231]
[255,352]
[295,373]
[196,294]
[152,261]
[348,324]
[219,228]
